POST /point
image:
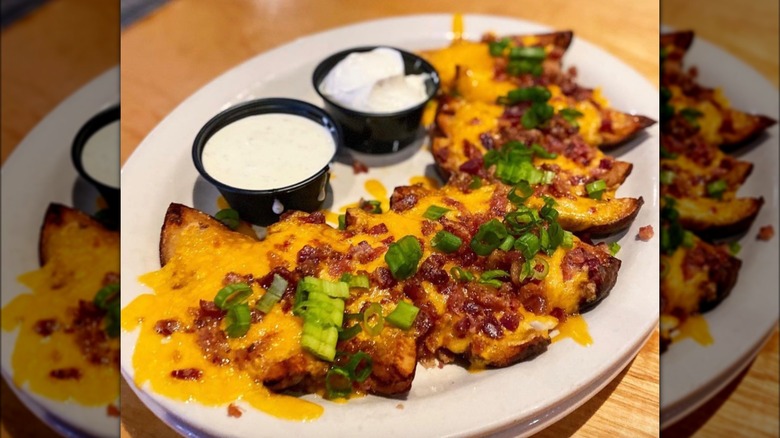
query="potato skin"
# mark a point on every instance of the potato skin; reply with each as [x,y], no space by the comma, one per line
[56,217]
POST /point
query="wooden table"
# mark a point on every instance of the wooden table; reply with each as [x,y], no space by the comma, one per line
[748,406]
[47,56]
[179,48]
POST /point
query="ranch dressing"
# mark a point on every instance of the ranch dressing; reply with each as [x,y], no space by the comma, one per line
[374,82]
[100,155]
[268,151]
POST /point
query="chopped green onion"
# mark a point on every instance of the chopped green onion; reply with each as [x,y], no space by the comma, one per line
[734,248]
[716,189]
[460,274]
[568,240]
[536,115]
[528,244]
[494,274]
[320,341]
[496,48]
[476,182]
[690,115]
[434,212]
[525,192]
[666,154]
[359,366]
[446,242]
[403,256]
[342,222]
[687,240]
[373,312]
[355,281]
[667,177]
[338,384]
[229,217]
[106,295]
[529,94]
[351,316]
[371,206]
[596,188]
[489,236]
[521,220]
[403,315]
[238,319]
[494,283]
[539,151]
[614,247]
[548,211]
[549,177]
[539,274]
[516,67]
[533,53]
[507,244]
[349,332]
[272,295]
[571,115]
[232,294]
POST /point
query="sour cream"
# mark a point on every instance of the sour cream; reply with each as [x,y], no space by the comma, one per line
[100,155]
[268,151]
[374,82]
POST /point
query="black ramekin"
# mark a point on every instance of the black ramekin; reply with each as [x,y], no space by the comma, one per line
[377,133]
[103,118]
[257,206]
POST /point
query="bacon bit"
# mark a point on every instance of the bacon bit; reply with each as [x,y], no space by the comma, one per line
[559,314]
[472,166]
[645,233]
[427,228]
[377,230]
[187,374]
[167,327]
[766,233]
[359,167]
[399,406]
[66,373]
[46,327]
[112,411]
[234,411]
[233,277]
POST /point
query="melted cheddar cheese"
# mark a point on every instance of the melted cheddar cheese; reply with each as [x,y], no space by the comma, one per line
[78,259]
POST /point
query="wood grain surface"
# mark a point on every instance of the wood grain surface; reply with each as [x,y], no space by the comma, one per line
[164,61]
[47,56]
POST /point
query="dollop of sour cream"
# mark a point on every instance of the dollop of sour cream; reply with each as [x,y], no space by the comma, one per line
[267,151]
[100,155]
[374,82]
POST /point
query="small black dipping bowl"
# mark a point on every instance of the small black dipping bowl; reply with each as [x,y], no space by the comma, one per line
[93,125]
[257,206]
[377,133]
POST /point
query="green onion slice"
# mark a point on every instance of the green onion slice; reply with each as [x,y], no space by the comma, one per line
[596,188]
[531,53]
[338,384]
[349,332]
[476,182]
[106,296]
[238,319]
[403,256]
[272,295]
[614,247]
[229,217]
[528,244]
[570,115]
[460,274]
[359,366]
[687,239]
[403,315]
[667,177]
[342,222]
[568,240]
[525,191]
[434,212]
[371,206]
[734,248]
[320,341]
[540,268]
[507,244]
[373,313]
[446,242]
[232,294]
[489,236]
[353,281]
[716,188]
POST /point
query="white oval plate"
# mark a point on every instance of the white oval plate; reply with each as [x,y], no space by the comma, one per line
[528,396]
[690,373]
[38,172]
